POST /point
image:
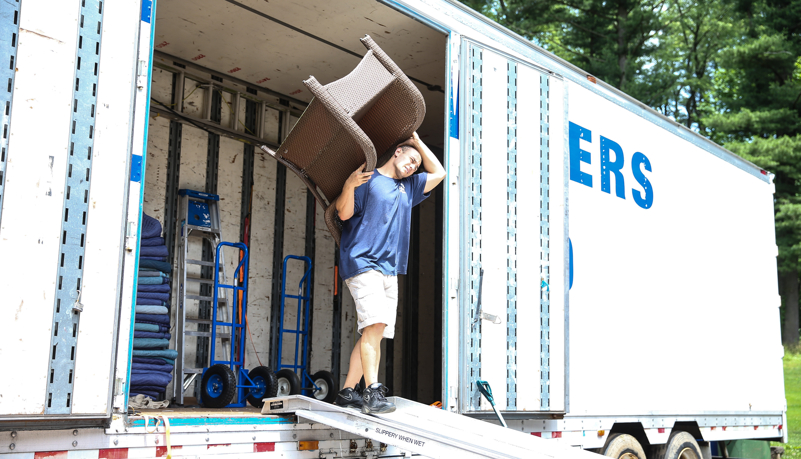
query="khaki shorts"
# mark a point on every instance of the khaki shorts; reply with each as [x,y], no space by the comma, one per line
[376,297]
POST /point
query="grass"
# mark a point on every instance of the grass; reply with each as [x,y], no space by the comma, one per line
[792,391]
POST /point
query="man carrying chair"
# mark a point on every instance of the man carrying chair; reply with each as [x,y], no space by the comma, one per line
[375,208]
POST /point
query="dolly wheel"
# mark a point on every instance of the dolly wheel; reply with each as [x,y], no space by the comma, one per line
[288,383]
[266,386]
[325,381]
[218,386]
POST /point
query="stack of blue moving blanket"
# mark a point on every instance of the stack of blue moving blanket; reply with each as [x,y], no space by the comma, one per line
[153,362]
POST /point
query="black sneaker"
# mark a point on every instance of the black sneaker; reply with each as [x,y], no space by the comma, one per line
[374,400]
[349,398]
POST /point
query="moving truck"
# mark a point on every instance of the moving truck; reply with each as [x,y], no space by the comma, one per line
[610,273]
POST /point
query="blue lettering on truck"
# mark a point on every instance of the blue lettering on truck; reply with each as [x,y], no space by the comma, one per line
[612,163]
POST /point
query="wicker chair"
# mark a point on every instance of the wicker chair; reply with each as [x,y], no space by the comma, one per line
[349,121]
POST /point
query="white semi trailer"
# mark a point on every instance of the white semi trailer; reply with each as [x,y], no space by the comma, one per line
[599,265]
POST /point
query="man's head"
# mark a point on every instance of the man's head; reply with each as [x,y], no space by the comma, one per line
[406,160]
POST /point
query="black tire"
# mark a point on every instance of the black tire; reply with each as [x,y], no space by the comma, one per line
[680,445]
[218,386]
[623,446]
[267,384]
[328,387]
[288,383]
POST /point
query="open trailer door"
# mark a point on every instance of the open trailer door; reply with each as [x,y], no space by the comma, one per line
[69,158]
[514,231]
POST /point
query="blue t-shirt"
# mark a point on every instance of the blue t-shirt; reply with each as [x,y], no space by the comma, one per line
[377,235]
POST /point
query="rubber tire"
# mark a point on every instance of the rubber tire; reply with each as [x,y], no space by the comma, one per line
[623,446]
[328,387]
[287,380]
[679,445]
[224,376]
[262,375]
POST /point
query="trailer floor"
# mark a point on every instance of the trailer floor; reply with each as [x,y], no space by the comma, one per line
[197,412]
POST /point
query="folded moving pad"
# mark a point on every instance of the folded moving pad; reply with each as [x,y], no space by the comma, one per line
[156,335]
[153,280]
[151,241]
[170,354]
[153,295]
[152,258]
[150,227]
[152,328]
[150,343]
[150,361]
[160,328]
[150,302]
[162,266]
[140,367]
[163,288]
[150,379]
[153,251]
[150,272]
[149,388]
[153,395]
[157,319]
[151,308]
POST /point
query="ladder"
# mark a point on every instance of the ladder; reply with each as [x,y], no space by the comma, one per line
[198,220]
[425,430]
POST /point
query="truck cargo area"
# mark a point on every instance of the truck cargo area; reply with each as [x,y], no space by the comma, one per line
[227,77]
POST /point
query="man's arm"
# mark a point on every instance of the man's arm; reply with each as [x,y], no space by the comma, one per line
[345,201]
[436,173]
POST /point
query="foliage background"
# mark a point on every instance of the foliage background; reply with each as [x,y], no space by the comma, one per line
[727,69]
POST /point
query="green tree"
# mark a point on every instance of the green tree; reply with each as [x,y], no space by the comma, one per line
[612,41]
[694,34]
[758,88]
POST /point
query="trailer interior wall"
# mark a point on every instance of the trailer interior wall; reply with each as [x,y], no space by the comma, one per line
[245,40]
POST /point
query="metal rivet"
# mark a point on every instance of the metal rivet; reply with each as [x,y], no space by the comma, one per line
[294,435]
[331,435]
[74,433]
[254,438]
[12,446]
[14,434]
[116,442]
[157,441]
[207,438]
[75,443]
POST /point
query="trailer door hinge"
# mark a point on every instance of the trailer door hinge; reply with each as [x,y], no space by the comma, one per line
[141,75]
[119,383]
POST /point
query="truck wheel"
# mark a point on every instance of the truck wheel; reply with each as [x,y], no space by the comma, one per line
[288,383]
[266,386]
[325,381]
[623,446]
[680,445]
[218,386]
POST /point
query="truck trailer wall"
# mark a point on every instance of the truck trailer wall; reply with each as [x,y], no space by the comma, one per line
[674,272]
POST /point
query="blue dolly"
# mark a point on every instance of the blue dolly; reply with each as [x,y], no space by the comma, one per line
[323,386]
[219,382]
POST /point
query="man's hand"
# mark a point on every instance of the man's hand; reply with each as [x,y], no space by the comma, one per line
[345,201]
[436,173]
[357,178]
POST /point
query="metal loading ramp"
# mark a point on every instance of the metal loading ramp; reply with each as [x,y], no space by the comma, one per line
[426,430]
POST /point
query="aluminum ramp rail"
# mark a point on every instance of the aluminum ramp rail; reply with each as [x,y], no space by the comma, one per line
[425,430]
